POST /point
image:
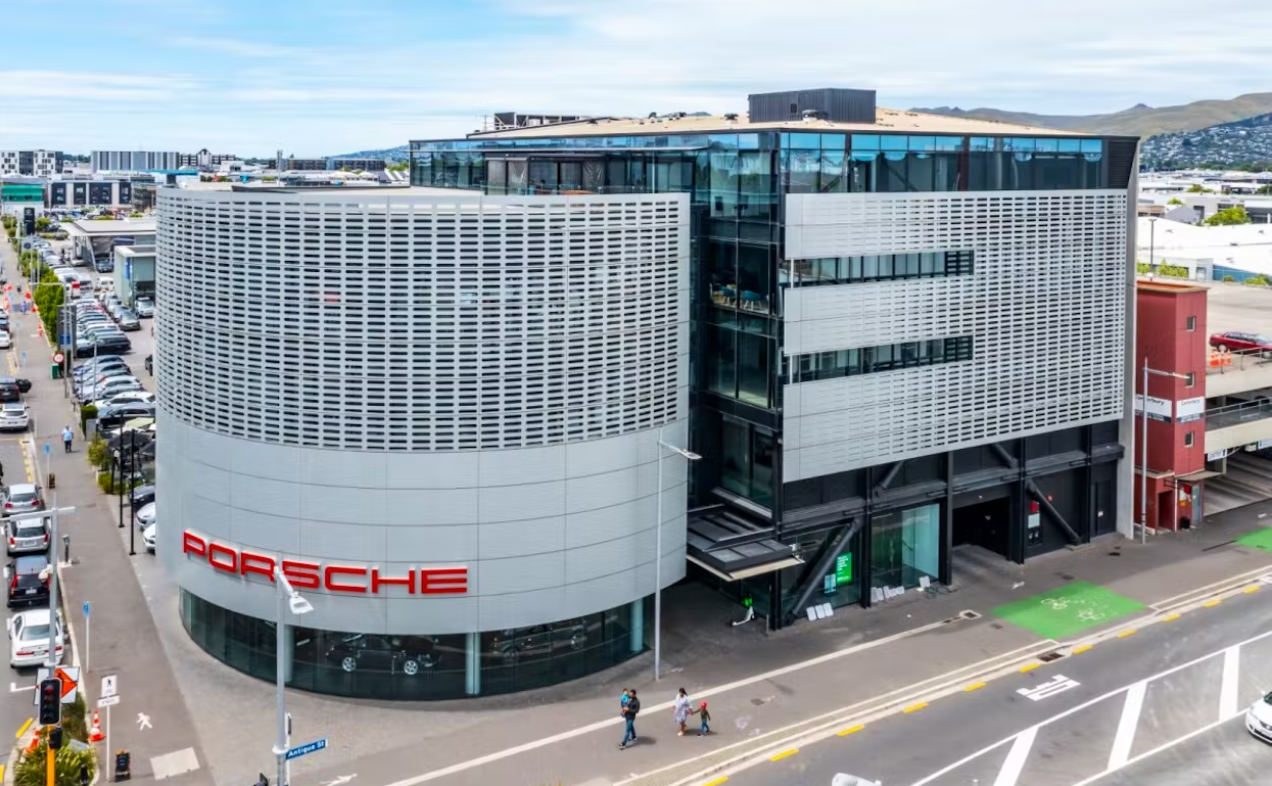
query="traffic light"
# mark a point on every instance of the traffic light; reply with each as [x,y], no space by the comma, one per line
[55,737]
[50,702]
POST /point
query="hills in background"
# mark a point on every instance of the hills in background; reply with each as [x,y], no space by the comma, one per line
[1139,120]
[1227,133]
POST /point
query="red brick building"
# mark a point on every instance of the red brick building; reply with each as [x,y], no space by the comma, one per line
[1171,334]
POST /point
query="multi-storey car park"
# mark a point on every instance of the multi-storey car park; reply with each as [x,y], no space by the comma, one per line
[894,339]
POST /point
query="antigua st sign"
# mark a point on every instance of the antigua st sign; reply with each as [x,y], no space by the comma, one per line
[308,574]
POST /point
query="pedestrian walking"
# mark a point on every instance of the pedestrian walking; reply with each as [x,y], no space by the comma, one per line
[705,717]
[629,716]
[680,710]
[67,437]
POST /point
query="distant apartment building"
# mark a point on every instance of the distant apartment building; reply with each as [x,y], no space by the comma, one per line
[358,164]
[97,192]
[36,163]
[133,160]
[205,160]
[293,164]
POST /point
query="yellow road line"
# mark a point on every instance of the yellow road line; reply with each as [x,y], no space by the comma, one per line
[784,754]
[915,707]
[1029,668]
[1170,618]
[1252,588]
[852,730]
[1126,633]
[24,728]
[1082,649]
[715,782]
[1210,604]
[974,686]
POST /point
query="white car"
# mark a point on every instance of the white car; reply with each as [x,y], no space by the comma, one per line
[29,638]
[146,515]
[14,416]
[127,397]
[6,340]
[148,537]
[1258,718]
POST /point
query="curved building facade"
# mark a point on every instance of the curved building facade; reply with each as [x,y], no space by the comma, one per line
[437,414]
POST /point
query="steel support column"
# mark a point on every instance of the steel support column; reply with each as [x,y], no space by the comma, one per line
[947,524]
[823,566]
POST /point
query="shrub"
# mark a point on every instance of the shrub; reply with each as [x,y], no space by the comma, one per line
[1229,279]
[1142,268]
[98,452]
[1256,281]
[87,413]
[106,482]
[31,770]
[1173,271]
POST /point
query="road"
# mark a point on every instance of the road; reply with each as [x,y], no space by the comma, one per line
[1120,713]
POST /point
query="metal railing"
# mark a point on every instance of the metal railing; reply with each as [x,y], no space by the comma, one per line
[1241,360]
[1236,414]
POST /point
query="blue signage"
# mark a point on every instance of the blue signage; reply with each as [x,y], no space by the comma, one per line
[87,606]
[46,448]
[308,747]
[128,270]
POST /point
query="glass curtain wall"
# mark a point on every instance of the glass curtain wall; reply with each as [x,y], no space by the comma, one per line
[906,546]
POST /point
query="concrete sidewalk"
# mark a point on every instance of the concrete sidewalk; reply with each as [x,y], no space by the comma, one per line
[575,741]
[124,641]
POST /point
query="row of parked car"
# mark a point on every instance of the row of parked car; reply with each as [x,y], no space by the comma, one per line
[30,549]
[100,324]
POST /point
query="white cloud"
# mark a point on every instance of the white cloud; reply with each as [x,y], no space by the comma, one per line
[251,94]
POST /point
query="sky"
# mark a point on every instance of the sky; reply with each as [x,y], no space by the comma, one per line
[324,77]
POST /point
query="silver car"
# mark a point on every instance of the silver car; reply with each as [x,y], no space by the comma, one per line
[27,537]
[22,498]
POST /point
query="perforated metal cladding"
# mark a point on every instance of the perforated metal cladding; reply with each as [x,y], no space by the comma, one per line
[422,323]
[1046,305]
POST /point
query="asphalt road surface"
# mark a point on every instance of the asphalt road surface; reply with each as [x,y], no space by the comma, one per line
[1162,706]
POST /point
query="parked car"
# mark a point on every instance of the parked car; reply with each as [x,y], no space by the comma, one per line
[14,416]
[405,654]
[29,536]
[127,397]
[9,390]
[145,515]
[118,416]
[145,307]
[22,498]
[29,638]
[148,537]
[128,320]
[6,341]
[112,386]
[141,496]
[28,579]
[1238,341]
[99,365]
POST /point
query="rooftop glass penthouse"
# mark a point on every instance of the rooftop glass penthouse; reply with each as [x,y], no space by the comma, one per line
[909,331]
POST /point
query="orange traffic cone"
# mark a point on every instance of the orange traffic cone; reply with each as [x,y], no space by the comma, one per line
[96,734]
[35,742]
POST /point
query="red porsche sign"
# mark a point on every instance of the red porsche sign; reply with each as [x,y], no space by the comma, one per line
[306,574]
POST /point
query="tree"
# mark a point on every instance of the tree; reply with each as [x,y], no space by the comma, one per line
[43,223]
[1229,217]
[1198,188]
[48,298]
[1175,201]
[400,166]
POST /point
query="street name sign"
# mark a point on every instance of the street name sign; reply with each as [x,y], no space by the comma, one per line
[308,747]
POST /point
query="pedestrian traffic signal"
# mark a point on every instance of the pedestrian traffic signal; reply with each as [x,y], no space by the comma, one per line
[50,702]
[55,737]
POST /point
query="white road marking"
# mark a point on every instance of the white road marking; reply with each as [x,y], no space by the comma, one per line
[1057,684]
[176,763]
[1060,716]
[1160,748]
[341,781]
[1131,708]
[1016,758]
[143,721]
[1228,692]
[13,688]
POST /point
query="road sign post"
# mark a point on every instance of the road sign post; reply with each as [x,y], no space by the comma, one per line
[109,698]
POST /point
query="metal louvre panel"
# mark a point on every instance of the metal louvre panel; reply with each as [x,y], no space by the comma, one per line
[1046,306]
[438,323]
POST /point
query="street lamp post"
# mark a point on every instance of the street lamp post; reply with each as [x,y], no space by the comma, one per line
[663,448]
[288,597]
[1144,444]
